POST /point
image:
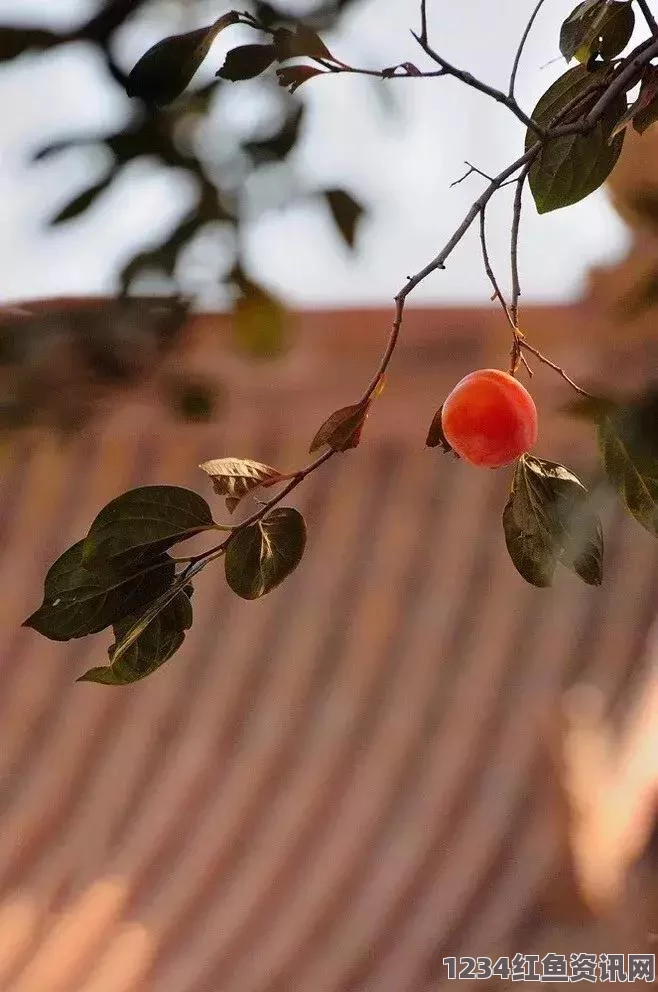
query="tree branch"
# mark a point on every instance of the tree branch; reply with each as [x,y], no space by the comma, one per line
[648,16]
[551,365]
[514,242]
[478,84]
[519,50]
[423,20]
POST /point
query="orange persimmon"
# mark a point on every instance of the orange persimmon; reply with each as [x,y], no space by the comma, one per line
[489,418]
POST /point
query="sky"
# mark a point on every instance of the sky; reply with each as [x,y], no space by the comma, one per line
[396,145]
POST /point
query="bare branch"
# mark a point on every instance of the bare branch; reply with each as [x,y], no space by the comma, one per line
[423,20]
[519,50]
[478,84]
[648,16]
[516,355]
[472,169]
[556,368]
[629,75]
[514,243]
[497,294]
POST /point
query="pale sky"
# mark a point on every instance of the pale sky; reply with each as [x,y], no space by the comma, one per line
[400,159]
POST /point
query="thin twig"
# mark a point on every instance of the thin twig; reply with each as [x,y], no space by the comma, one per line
[519,50]
[516,355]
[478,84]
[471,170]
[514,241]
[648,16]
[556,368]
[423,20]
[630,73]
[489,270]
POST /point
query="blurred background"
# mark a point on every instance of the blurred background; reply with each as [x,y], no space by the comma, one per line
[404,752]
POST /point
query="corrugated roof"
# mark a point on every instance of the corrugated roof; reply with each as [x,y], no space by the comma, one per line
[334,787]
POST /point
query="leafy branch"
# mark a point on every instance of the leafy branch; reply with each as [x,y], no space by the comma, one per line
[572,142]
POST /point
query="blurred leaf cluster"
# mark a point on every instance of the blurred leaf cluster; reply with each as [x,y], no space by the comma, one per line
[182,137]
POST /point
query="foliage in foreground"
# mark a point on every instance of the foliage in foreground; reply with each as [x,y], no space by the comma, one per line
[122,575]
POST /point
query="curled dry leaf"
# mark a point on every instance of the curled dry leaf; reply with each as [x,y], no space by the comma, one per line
[291,77]
[233,478]
[342,430]
[435,436]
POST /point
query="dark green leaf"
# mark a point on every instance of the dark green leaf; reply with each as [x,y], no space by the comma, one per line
[628,445]
[547,520]
[342,430]
[303,41]
[262,555]
[247,62]
[291,77]
[146,521]
[569,168]
[167,68]
[235,477]
[84,200]
[435,435]
[346,212]
[81,600]
[159,640]
[597,27]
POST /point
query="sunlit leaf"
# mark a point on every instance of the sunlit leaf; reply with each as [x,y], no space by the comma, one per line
[247,62]
[262,555]
[167,68]
[342,430]
[159,640]
[597,27]
[235,477]
[547,520]
[148,520]
[570,167]
[81,600]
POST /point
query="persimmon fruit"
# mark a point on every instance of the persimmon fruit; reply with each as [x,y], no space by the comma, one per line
[489,419]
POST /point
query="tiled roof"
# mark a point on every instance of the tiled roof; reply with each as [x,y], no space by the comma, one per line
[332,788]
